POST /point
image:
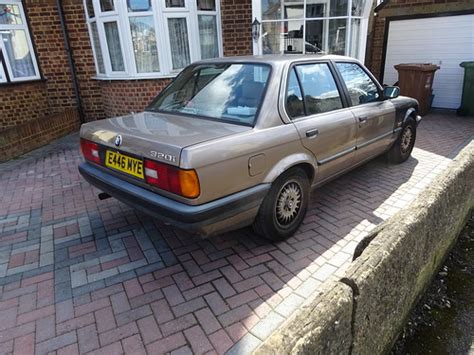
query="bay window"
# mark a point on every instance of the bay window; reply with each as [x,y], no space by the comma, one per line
[17,59]
[312,26]
[3,79]
[151,38]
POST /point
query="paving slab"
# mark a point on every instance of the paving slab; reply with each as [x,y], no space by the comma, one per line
[99,270]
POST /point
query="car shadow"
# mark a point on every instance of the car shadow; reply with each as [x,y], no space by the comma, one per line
[239,278]
[259,275]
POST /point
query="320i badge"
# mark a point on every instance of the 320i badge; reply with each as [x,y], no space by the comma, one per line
[242,141]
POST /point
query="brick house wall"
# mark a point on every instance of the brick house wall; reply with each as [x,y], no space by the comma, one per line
[54,94]
[34,113]
[124,96]
[90,89]
[237,27]
[21,103]
[121,97]
[398,8]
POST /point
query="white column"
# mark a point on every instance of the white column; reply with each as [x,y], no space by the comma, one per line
[257,14]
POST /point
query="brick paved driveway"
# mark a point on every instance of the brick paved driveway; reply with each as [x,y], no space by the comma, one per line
[82,275]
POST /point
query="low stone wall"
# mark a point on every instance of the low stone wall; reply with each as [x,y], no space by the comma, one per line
[35,133]
[320,327]
[363,312]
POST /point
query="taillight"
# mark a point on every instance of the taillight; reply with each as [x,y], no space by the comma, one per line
[90,151]
[178,181]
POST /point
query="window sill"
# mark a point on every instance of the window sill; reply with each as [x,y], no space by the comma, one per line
[17,83]
[134,78]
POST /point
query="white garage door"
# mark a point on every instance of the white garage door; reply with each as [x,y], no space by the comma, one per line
[445,41]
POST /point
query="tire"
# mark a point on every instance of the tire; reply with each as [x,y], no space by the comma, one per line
[279,216]
[403,146]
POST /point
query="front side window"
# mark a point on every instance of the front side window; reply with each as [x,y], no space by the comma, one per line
[360,86]
[227,92]
[151,38]
[17,59]
[319,88]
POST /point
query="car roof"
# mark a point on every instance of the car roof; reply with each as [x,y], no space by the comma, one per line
[276,58]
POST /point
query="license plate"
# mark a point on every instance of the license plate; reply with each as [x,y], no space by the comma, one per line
[124,163]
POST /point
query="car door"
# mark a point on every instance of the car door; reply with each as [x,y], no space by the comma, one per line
[375,116]
[318,110]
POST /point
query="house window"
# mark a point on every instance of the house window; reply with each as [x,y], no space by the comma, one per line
[17,59]
[312,26]
[151,38]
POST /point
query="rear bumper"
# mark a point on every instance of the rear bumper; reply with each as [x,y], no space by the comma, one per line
[220,215]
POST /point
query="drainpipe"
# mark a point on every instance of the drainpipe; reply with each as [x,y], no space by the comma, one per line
[70,60]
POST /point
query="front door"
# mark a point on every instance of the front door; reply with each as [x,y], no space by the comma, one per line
[325,126]
[375,117]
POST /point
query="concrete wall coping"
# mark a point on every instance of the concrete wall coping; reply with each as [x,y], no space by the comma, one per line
[371,303]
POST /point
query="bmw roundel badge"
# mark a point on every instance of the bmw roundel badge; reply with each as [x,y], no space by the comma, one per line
[118,140]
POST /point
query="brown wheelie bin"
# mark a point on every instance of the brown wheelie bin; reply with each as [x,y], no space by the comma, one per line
[415,80]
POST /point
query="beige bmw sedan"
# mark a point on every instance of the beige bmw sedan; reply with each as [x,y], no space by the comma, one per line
[242,141]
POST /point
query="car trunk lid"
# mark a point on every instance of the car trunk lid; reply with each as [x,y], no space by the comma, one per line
[157,136]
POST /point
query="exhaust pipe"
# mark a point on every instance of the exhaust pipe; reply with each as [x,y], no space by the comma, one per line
[104,196]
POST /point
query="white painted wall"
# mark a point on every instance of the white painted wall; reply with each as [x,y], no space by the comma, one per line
[446,41]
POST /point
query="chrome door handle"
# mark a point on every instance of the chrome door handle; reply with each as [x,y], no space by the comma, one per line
[312,133]
[362,120]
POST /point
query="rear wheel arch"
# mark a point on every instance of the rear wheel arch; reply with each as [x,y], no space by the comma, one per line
[284,207]
[302,161]
[308,169]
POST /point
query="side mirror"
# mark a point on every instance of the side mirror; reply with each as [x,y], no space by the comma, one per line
[391,92]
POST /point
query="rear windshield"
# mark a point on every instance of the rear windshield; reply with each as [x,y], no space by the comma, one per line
[229,92]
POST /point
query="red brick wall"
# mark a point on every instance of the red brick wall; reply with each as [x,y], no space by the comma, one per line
[236,27]
[22,102]
[122,97]
[101,98]
[90,88]
[28,104]
[396,8]
[35,133]
[56,93]
[50,53]
[34,113]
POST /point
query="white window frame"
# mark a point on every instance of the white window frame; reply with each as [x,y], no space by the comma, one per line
[191,39]
[257,13]
[23,26]
[133,72]
[160,14]
[217,14]
[3,77]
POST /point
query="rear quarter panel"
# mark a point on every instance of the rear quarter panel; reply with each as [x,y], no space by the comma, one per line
[223,165]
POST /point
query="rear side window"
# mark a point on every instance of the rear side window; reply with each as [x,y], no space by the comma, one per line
[318,87]
[294,97]
[360,86]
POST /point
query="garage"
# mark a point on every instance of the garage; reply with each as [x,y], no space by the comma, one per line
[443,40]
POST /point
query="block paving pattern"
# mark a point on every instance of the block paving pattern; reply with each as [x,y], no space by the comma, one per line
[79,275]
